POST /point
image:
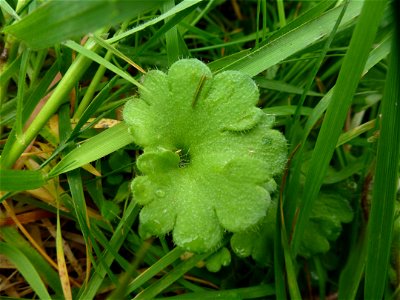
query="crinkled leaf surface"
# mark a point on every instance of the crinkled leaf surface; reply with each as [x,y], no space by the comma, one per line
[328,214]
[259,241]
[209,154]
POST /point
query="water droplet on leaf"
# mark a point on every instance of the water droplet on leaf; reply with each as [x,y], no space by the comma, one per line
[160,193]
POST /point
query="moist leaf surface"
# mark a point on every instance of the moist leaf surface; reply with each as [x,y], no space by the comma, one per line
[209,154]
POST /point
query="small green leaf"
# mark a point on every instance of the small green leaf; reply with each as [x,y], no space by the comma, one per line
[221,258]
[327,215]
[258,242]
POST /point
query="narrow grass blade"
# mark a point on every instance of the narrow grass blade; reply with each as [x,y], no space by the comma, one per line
[45,26]
[176,9]
[293,41]
[62,267]
[352,273]
[14,149]
[171,37]
[283,87]
[100,60]
[380,226]
[355,132]
[165,28]
[157,287]
[281,13]
[342,96]
[98,146]
[20,180]
[10,69]
[155,269]
[116,52]
[6,7]
[287,110]
[19,122]
[92,108]
[119,236]
[255,292]
[132,270]
[26,268]
[12,237]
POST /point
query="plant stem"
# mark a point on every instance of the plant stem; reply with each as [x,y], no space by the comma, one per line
[58,97]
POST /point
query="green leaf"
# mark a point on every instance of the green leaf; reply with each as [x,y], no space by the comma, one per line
[221,258]
[208,154]
[259,241]
[57,21]
[26,268]
[327,216]
[20,180]
[97,147]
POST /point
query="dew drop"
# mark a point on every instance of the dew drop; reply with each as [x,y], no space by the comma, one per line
[160,193]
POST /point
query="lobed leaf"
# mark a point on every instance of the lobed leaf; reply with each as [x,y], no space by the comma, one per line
[208,154]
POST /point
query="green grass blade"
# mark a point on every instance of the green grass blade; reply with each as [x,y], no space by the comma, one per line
[115,51]
[7,8]
[100,60]
[171,37]
[157,287]
[45,26]
[10,69]
[119,236]
[20,180]
[380,226]
[156,268]
[19,123]
[256,292]
[352,273]
[283,87]
[92,108]
[165,28]
[13,238]
[97,147]
[281,13]
[287,110]
[62,267]
[342,96]
[26,268]
[176,9]
[58,97]
[293,41]
[355,132]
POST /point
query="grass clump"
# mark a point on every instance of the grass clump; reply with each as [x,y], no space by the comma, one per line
[326,71]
